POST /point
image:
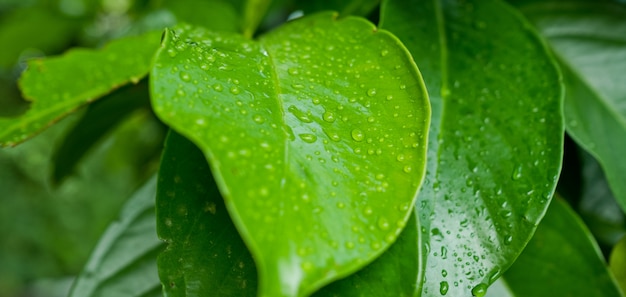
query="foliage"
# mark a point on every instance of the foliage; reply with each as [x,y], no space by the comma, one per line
[400,148]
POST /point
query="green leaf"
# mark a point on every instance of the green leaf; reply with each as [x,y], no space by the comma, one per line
[562,259]
[253,14]
[394,273]
[214,14]
[617,263]
[496,136]
[100,118]
[205,255]
[344,7]
[315,136]
[122,263]
[590,42]
[57,86]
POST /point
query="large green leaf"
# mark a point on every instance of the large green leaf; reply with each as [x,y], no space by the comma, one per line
[496,137]
[57,86]
[562,259]
[315,135]
[122,263]
[589,39]
[205,255]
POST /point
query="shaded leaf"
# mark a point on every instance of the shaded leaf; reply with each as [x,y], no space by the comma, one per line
[589,39]
[123,262]
[214,14]
[309,134]
[205,255]
[562,259]
[99,118]
[496,136]
[91,73]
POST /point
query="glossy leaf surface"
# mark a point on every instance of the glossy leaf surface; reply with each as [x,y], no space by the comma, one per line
[590,42]
[496,136]
[315,136]
[562,259]
[122,263]
[205,255]
[57,86]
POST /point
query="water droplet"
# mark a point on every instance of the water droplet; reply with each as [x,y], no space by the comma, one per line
[480,290]
[407,168]
[235,90]
[171,53]
[443,288]
[508,239]
[350,245]
[329,116]
[517,173]
[185,76]
[371,92]
[444,253]
[308,138]
[258,119]
[384,53]
[303,117]
[368,211]
[341,205]
[402,87]
[200,121]
[218,87]
[293,71]
[371,119]
[444,273]
[383,224]
[357,135]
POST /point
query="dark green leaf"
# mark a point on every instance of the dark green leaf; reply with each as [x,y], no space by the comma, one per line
[215,14]
[57,86]
[496,136]
[562,259]
[205,255]
[590,42]
[123,263]
[99,118]
[315,135]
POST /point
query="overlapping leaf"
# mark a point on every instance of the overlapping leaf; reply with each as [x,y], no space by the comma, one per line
[315,136]
[496,136]
[123,262]
[560,263]
[57,86]
[589,39]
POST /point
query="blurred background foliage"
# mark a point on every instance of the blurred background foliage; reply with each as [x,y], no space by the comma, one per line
[57,195]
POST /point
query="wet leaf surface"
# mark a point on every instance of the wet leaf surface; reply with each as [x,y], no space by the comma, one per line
[315,135]
[496,136]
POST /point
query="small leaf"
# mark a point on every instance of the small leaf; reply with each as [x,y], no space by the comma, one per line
[123,262]
[589,38]
[205,255]
[617,263]
[99,118]
[562,259]
[57,86]
[496,137]
[315,136]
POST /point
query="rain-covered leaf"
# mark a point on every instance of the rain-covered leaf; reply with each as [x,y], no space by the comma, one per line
[589,38]
[315,135]
[100,117]
[123,262]
[205,255]
[57,86]
[562,259]
[496,137]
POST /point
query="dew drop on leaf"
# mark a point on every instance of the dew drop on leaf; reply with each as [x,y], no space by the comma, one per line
[357,135]
[308,138]
[443,288]
[517,173]
[480,290]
